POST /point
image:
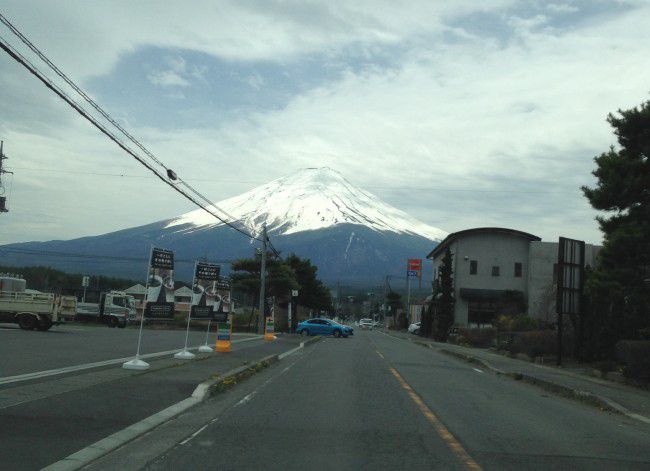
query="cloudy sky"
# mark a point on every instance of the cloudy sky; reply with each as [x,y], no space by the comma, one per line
[462,113]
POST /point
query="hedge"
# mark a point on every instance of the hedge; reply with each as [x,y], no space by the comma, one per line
[482,338]
[635,354]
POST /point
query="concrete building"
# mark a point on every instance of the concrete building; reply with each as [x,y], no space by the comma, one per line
[501,271]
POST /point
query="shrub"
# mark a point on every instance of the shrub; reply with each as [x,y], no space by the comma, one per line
[636,356]
[482,338]
[523,323]
[533,343]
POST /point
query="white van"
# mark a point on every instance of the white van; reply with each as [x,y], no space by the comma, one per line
[366,324]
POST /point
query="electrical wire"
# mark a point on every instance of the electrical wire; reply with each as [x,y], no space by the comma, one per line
[14,54]
[92,103]
[92,256]
[230,180]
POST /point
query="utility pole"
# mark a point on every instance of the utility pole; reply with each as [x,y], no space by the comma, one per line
[3,198]
[408,299]
[260,323]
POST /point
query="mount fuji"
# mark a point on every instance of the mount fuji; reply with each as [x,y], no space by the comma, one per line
[348,233]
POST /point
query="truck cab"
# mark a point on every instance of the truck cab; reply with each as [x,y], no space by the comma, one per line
[117,308]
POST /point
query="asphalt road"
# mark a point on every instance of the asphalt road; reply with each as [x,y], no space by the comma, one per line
[68,345]
[376,402]
[43,422]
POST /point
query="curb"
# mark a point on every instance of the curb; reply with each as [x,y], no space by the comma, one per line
[203,391]
[595,400]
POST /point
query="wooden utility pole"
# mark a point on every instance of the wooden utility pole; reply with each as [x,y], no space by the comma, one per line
[261,320]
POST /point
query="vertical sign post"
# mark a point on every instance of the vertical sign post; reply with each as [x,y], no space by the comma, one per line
[203,304]
[570,283]
[294,293]
[137,363]
[223,316]
[413,269]
[85,281]
[269,325]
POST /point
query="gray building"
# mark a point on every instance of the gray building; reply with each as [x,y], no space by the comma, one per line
[501,271]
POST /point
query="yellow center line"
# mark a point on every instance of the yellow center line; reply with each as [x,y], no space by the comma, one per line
[444,433]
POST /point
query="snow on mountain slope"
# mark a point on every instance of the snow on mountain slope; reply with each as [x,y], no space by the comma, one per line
[310,199]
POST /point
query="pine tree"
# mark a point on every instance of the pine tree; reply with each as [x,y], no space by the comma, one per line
[444,317]
[618,287]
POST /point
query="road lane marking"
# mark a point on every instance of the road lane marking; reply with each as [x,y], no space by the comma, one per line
[246,398]
[98,364]
[379,353]
[194,434]
[476,369]
[444,433]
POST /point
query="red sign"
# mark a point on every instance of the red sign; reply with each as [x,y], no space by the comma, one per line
[415,264]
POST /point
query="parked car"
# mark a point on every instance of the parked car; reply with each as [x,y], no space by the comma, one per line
[415,328]
[323,327]
[366,324]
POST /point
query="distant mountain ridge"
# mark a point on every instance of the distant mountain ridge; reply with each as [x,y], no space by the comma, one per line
[347,232]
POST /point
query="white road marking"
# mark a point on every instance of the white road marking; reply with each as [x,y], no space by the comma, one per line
[194,434]
[246,398]
[97,364]
[477,370]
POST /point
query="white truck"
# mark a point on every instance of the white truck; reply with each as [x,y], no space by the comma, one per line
[32,310]
[115,308]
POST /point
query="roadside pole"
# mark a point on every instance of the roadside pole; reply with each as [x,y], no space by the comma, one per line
[408,299]
[137,363]
[289,314]
[85,281]
[185,354]
[294,293]
[206,348]
[262,313]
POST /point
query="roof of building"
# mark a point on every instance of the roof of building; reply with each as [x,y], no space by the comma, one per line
[478,230]
[136,289]
[183,291]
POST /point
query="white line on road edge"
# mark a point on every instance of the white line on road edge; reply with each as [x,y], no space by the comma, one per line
[98,449]
[98,364]
[293,350]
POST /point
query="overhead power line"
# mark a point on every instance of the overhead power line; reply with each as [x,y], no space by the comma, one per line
[170,174]
[92,256]
[255,182]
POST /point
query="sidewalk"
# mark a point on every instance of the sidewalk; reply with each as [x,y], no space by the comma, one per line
[621,398]
[45,428]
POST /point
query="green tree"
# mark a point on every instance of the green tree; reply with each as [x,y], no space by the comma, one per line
[311,291]
[444,315]
[394,302]
[426,320]
[617,290]
[246,278]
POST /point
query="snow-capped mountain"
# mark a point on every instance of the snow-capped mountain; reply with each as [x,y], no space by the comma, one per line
[348,233]
[308,200]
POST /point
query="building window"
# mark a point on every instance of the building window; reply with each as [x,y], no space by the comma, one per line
[495,271]
[518,269]
[473,267]
[481,313]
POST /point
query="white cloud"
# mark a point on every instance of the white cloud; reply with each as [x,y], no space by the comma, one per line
[87,38]
[527,114]
[167,78]
[562,8]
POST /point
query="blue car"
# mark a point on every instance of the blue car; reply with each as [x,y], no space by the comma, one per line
[323,327]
